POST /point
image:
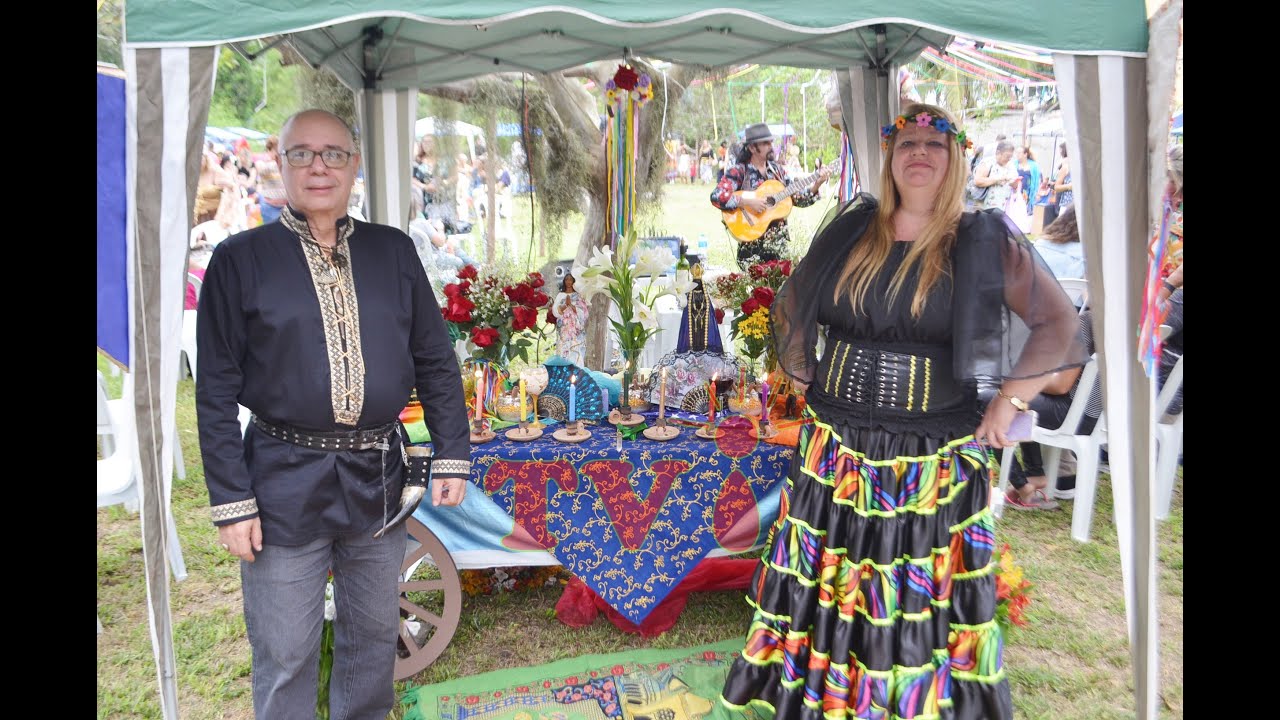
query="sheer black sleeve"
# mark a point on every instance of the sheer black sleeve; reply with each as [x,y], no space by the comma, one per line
[794,315]
[996,270]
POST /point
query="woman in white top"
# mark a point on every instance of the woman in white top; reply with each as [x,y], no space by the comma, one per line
[1000,176]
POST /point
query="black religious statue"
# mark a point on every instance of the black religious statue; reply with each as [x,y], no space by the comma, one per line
[698,329]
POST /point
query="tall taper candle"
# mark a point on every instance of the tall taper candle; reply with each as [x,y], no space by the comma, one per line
[662,395]
[522,400]
[711,399]
[573,397]
[479,393]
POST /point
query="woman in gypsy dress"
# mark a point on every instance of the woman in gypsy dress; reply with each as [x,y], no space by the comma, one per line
[570,309]
[876,596]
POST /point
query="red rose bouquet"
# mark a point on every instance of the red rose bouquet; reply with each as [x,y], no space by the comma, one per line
[749,296]
[496,315]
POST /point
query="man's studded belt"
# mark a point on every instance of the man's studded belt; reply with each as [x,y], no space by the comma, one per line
[335,441]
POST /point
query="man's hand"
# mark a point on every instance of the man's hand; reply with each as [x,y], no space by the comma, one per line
[754,205]
[242,538]
[448,491]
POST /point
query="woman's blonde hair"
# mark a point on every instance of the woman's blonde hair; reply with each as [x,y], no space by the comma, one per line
[931,250]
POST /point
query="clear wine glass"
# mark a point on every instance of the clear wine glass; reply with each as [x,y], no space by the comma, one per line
[535,381]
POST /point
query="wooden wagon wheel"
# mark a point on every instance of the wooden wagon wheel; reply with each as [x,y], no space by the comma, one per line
[430,602]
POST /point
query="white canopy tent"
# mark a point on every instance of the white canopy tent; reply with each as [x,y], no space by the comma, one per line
[1114,82]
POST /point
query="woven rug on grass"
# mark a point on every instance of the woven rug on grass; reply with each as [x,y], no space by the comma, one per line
[680,684]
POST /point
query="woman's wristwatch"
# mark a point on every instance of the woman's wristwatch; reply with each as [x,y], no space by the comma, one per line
[1014,400]
[1168,286]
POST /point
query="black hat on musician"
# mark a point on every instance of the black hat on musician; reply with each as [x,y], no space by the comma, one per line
[759,132]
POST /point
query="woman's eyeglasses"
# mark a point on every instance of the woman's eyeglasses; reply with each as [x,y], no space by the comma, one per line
[302,157]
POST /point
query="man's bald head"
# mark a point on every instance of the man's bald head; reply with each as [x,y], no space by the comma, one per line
[318,113]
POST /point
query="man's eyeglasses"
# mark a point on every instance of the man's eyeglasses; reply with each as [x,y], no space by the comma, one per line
[302,157]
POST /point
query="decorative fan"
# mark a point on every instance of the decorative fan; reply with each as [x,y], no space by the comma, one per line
[590,405]
[695,401]
[552,406]
[687,374]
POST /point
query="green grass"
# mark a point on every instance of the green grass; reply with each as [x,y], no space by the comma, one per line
[1072,662]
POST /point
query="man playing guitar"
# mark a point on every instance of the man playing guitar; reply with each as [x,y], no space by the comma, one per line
[755,165]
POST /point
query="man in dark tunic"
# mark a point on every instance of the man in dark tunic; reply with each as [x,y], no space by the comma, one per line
[321,325]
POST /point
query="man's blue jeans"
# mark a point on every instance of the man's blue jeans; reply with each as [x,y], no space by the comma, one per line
[284,613]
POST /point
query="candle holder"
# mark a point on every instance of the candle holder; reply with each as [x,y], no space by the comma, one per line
[763,430]
[480,432]
[709,432]
[616,417]
[572,433]
[661,431]
[524,433]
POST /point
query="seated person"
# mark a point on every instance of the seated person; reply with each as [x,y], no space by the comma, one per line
[1028,480]
[1060,246]
[443,252]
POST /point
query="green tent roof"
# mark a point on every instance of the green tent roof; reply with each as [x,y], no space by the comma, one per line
[408,44]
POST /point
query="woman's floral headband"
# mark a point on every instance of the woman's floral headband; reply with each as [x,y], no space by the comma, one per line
[924,119]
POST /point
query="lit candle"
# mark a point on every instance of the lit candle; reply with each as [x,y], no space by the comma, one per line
[479,393]
[522,400]
[711,399]
[573,397]
[662,395]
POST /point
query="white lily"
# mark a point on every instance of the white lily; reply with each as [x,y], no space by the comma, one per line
[683,284]
[653,261]
[646,316]
[601,259]
[590,283]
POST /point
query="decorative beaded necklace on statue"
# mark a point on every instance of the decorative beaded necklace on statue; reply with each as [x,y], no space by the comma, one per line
[698,313]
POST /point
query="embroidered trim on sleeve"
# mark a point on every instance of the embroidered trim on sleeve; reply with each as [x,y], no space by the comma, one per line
[231,511]
[441,466]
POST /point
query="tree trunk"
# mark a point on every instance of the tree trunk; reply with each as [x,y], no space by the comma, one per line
[490,188]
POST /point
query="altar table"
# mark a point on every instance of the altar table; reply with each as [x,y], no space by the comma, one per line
[630,524]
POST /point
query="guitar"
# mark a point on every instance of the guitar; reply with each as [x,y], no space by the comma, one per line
[746,226]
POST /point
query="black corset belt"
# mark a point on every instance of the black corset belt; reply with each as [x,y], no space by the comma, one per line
[865,375]
[336,441]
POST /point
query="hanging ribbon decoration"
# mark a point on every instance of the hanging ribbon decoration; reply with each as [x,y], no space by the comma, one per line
[625,93]
[848,184]
[1150,343]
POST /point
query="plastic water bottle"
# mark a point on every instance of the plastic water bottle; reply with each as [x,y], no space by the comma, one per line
[702,247]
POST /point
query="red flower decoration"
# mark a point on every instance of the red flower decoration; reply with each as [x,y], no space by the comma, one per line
[522,688]
[538,299]
[763,295]
[626,78]
[748,307]
[473,699]
[709,655]
[719,315]
[786,267]
[468,272]
[535,279]
[617,669]
[546,683]
[484,337]
[523,318]
[571,681]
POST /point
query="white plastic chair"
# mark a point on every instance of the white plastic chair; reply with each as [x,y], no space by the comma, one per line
[1086,448]
[118,470]
[1168,432]
[187,341]
[1077,289]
